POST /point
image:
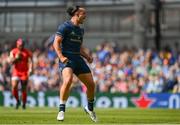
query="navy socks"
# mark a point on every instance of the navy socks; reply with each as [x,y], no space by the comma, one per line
[62,107]
[91,105]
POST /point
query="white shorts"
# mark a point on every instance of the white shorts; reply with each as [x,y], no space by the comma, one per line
[15,78]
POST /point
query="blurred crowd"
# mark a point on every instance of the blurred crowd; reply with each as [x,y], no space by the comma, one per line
[135,70]
[115,69]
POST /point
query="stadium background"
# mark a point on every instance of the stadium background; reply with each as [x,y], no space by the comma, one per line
[122,34]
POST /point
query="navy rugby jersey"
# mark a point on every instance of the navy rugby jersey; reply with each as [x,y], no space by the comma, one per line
[72,37]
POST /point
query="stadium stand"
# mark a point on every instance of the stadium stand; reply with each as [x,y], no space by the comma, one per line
[121,64]
[115,69]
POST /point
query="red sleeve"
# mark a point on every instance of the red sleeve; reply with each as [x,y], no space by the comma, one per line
[30,53]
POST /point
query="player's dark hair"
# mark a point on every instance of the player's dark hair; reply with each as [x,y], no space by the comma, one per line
[72,10]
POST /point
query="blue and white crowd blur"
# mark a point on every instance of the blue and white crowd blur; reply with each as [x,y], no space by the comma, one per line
[115,69]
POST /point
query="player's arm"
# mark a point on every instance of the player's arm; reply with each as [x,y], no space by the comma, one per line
[86,54]
[30,61]
[13,59]
[56,44]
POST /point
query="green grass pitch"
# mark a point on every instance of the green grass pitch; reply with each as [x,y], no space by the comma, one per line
[78,116]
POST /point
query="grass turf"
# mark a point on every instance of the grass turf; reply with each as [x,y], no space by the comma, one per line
[77,116]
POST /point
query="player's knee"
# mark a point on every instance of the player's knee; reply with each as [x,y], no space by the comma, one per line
[67,81]
[14,86]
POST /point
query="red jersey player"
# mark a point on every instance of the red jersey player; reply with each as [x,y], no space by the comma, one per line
[21,59]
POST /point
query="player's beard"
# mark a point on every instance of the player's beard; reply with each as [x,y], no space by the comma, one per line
[81,20]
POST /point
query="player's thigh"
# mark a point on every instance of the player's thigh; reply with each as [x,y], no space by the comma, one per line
[14,81]
[87,79]
[67,74]
[81,67]
[24,84]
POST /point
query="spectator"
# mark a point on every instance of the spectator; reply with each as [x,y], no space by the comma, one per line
[115,69]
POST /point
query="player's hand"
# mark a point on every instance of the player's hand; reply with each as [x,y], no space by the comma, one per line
[64,60]
[90,59]
[30,72]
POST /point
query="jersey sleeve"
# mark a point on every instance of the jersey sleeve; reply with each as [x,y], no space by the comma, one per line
[30,53]
[82,30]
[61,30]
[51,39]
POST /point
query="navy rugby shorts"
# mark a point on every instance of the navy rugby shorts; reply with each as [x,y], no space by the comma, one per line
[76,63]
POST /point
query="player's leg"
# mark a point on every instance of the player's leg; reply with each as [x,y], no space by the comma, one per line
[67,75]
[14,83]
[24,92]
[87,79]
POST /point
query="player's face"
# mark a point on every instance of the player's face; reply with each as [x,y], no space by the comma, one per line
[20,44]
[20,47]
[81,15]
